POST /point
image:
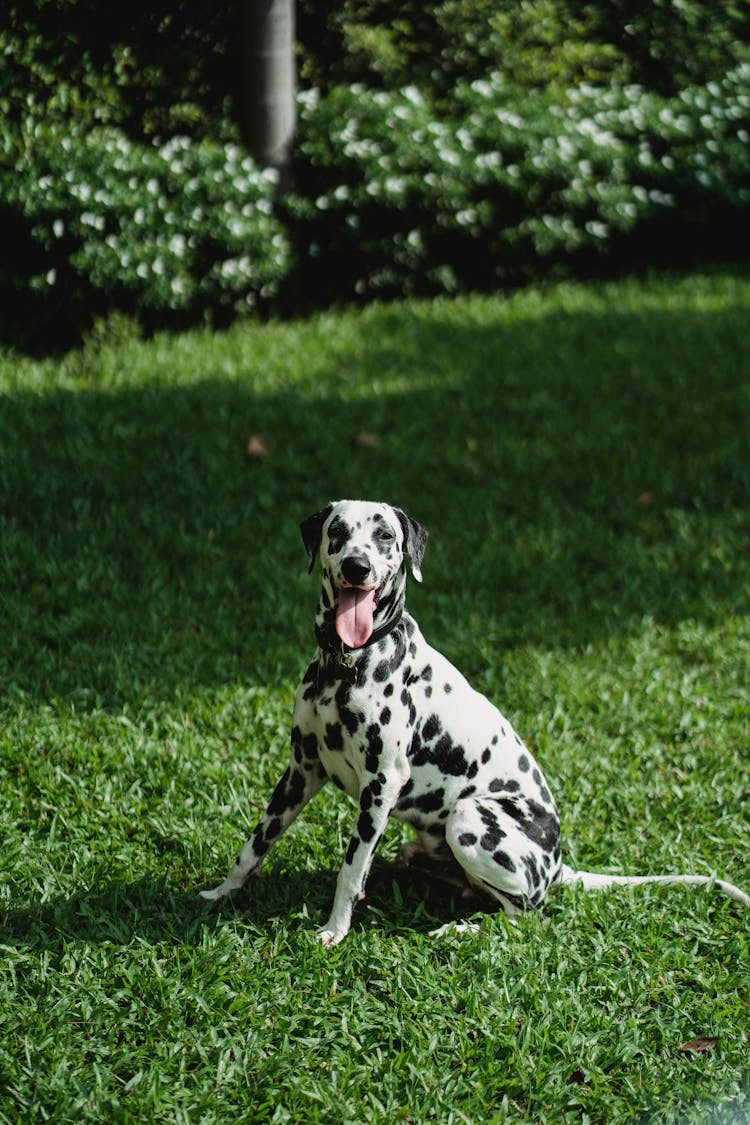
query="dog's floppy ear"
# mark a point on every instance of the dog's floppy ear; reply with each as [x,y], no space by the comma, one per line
[415,541]
[312,531]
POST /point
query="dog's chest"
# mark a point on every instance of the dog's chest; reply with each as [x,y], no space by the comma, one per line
[422,720]
[362,732]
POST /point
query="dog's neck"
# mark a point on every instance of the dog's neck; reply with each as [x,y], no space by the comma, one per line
[388,615]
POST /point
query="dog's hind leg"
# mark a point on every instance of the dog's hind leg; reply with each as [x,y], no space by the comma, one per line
[510,850]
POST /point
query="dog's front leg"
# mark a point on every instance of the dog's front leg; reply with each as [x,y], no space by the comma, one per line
[377,798]
[297,785]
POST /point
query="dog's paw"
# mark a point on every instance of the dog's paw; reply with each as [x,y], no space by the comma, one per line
[329,938]
[223,889]
[455,928]
[211,896]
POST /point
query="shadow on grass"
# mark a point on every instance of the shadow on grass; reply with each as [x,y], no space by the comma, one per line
[579,470]
[153,911]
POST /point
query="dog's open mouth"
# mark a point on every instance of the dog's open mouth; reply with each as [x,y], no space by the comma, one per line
[355,614]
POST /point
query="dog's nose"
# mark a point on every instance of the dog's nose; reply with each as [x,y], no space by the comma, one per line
[355,569]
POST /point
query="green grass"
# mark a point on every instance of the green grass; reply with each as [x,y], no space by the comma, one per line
[580,457]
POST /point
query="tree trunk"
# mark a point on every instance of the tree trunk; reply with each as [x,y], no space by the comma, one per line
[267,81]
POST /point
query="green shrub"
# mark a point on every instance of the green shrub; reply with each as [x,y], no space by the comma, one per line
[463,178]
[538,44]
[401,199]
[182,226]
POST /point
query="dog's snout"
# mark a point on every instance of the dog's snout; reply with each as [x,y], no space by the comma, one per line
[355,569]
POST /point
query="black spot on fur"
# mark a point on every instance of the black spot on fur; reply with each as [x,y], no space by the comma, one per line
[338,533]
[287,793]
[310,746]
[416,751]
[273,829]
[523,762]
[502,859]
[543,828]
[431,728]
[538,824]
[431,801]
[311,674]
[486,755]
[385,716]
[334,736]
[382,671]
[532,871]
[467,792]
[493,832]
[498,786]
[467,839]
[374,748]
[447,688]
[451,759]
[388,691]
[348,718]
[338,783]
[365,826]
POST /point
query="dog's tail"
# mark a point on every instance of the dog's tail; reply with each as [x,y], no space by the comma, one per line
[592,881]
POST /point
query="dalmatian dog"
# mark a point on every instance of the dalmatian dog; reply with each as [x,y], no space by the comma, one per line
[391,722]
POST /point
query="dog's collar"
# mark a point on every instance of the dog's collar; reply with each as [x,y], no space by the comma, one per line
[339,660]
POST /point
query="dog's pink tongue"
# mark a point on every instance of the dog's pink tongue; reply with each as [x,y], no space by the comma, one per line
[354,616]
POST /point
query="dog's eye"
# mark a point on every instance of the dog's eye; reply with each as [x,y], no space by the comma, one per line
[384,535]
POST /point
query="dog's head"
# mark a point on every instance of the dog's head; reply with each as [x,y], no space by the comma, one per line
[363,548]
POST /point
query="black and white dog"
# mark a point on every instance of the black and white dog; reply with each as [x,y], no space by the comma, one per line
[394,724]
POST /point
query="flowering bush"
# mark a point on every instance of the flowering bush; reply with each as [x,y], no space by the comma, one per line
[391,195]
[181,226]
[402,199]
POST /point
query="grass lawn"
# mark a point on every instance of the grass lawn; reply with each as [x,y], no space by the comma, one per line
[580,456]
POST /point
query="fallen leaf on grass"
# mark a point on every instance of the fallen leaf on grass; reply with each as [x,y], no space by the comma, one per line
[366,441]
[645,500]
[706,1043]
[255,448]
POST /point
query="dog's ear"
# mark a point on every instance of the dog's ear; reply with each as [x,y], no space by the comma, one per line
[312,531]
[415,541]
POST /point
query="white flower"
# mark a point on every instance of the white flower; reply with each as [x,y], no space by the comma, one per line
[598,230]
